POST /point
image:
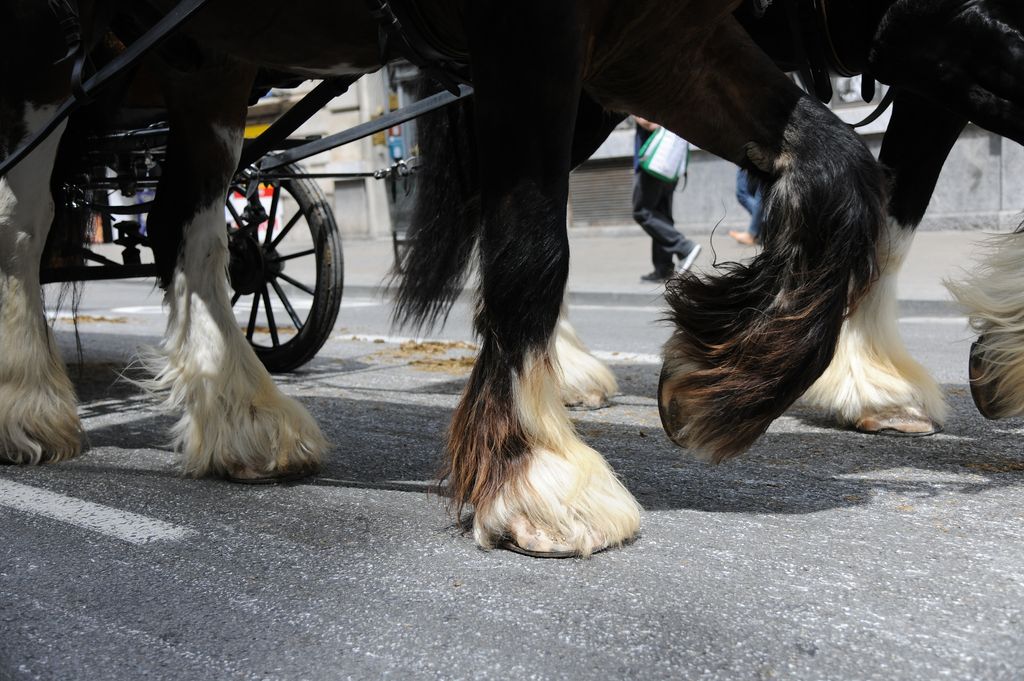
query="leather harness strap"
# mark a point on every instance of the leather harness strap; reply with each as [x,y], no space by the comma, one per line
[401,33]
[66,13]
[813,70]
[846,53]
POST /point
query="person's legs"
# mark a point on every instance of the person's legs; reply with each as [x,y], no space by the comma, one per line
[751,202]
[744,196]
[652,210]
[645,216]
[661,257]
[754,228]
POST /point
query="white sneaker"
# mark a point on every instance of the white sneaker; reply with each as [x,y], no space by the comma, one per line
[687,262]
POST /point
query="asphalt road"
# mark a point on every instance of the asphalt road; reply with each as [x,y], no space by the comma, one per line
[820,554]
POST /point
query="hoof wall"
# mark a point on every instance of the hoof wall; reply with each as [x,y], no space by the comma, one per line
[526,539]
[252,478]
[510,545]
[588,406]
[898,426]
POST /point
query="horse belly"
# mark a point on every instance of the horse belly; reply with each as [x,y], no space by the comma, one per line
[308,37]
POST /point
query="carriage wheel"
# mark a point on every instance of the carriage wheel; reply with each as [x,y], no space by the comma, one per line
[286,274]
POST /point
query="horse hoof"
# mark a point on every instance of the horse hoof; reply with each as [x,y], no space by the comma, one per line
[672,419]
[898,425]
[564,504]
[528,540]
[250,477]
[510,545]
[591,402]
[980,393]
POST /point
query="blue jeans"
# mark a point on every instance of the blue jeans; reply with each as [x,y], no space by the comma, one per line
[748,193]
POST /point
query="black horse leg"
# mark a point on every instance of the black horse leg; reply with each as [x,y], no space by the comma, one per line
[512,452]
[873,384]
[985,85]
[585,381]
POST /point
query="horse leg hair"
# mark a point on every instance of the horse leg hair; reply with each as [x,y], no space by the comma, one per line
[446,227]
[751,338]
[235,421]
[994,301]
[873,384]
[38,417]
[585,380]
[512,452]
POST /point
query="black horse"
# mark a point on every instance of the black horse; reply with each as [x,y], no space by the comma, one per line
[946,62]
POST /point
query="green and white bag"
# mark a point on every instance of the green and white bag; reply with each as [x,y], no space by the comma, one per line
[665,155]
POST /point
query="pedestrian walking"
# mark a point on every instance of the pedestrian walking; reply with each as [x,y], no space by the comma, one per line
[748,193]
[652,210]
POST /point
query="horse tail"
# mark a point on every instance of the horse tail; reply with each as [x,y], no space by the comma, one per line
[751,338]
[445,224]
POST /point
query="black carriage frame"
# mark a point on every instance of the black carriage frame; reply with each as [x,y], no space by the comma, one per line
[129,161]
[134,156]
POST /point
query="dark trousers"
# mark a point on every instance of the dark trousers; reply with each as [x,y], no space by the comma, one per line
[652,209]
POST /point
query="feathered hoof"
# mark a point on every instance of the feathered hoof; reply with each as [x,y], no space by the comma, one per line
[527,539]
[670,410]
[41,427]
[590,389]
[273,440]
[586,401]
[560,507]
[585,382]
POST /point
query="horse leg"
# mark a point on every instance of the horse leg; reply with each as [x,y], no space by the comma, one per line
[512,452]
[235,422]
[585,381]
[986,85]
[995,306]
[38,417]
[446,228]
[750,339]
[873,384]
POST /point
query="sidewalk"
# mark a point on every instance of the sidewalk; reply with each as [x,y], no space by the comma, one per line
[609,268]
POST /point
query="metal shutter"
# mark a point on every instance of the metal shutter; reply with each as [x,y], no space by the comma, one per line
[601,193]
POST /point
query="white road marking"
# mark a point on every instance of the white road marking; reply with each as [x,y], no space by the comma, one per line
[959,321]
[633,357]
[621,308]
[139,309]
[130,527]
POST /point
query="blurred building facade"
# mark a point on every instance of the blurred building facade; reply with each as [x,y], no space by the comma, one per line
[981,186]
